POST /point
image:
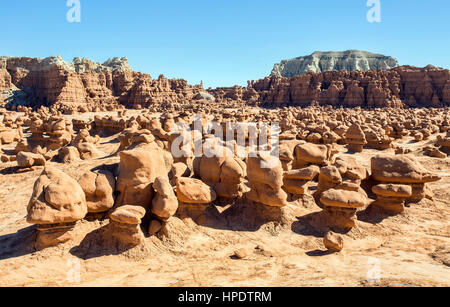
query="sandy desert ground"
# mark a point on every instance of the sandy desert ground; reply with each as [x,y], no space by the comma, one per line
[412,249]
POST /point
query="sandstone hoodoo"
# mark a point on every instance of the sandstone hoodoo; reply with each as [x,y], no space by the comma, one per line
[136,168]
[355,138]
[56,204]
[391,197]
[402,170]
[99,187]
[265,175]
[125,225]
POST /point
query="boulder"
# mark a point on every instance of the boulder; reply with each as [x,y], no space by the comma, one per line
[99,187]
[28,159]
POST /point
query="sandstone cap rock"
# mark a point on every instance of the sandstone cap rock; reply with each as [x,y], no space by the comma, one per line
[131,215]
[343,199]
[307,173]
[400,169]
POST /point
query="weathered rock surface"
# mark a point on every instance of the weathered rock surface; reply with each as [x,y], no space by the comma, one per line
[350,60]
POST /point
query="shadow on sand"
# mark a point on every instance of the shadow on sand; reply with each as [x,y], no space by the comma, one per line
[18,244]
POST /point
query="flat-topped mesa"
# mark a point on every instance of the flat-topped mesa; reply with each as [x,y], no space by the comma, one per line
[400,87]
[403,170]
[350,60]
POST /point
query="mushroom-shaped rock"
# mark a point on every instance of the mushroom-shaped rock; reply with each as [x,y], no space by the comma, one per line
[391,197]
[343,199]
[400,169]
[329,178]
[355,138]
[125,224]
[99,187]
[56,204]
[298,181]
[340,207]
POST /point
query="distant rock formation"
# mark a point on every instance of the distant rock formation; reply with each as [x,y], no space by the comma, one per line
[78,64]
[351,60]
[404,86]
[83,85]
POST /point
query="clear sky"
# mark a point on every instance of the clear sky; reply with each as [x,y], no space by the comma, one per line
[224,42]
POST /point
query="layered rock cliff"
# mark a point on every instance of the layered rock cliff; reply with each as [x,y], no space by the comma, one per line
[403,86]
[351,60]
[83,84]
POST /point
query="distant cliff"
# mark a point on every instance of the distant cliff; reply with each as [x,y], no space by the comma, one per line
[85,85]
[351,60]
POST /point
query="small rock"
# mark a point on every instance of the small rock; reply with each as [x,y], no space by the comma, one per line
[333,242]
[241,253]
[155,227]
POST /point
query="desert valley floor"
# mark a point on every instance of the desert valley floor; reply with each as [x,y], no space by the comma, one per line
[413,248]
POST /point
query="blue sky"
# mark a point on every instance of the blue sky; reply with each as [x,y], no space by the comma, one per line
[224,42]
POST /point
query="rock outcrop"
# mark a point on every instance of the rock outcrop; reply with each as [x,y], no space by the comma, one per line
[350,60]
[83,85]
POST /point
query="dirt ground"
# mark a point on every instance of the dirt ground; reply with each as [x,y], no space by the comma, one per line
[411,249]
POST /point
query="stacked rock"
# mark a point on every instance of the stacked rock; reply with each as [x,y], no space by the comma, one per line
[403,170]
[56,204]
[125,225]
[37,130]
[329,178]
[340,192]
[59,133]
[378,139]
[392,197]
[140,171]
[297,182]
[355,138]
[340,207]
